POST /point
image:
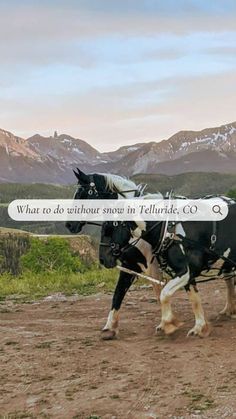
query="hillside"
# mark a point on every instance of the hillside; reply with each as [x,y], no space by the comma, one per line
[11,191]
[188,184]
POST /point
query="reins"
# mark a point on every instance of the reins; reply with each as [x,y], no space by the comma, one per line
[92,188]
[93,223]
[214,278]
[135,241]
[159,245]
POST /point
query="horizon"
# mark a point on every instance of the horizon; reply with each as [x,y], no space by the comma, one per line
[116,73]
[118,147]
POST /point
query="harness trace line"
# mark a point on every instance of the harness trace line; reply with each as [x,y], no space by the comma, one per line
[149,278]
[206,278]
[171,238]
[162,283]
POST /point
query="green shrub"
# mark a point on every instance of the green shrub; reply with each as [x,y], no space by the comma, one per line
[12,247]
[232,193]
[53,254]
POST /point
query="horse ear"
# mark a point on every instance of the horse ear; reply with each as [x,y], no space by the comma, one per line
[81,176]
[76,174]
[132,225]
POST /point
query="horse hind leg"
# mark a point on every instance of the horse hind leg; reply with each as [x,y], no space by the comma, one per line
[173,323]
[153,270]
[230,306]
[201,327]
[169,323]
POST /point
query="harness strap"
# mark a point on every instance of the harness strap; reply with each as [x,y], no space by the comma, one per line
[137,192]
[204,248]
[93,223]
[214,278]
[164,232]
[213,236]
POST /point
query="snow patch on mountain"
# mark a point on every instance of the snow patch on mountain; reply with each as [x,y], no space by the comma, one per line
[51,159]
[77,150]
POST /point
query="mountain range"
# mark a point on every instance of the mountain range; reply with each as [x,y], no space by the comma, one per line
[51,159]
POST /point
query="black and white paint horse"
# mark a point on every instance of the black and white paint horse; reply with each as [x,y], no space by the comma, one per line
[186,256]
[107,186]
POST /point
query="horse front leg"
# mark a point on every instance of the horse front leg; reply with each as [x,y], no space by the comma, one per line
[201,327]
[230,306]
[154,271]
[169,323]
[111,328]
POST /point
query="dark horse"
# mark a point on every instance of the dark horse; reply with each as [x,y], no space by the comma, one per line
[185,255]
[106,186]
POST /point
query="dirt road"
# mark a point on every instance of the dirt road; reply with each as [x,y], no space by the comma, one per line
[54,365]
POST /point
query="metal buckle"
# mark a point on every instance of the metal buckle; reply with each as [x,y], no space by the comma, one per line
[213,239]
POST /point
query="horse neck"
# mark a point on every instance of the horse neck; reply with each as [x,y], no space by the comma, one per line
[152,233]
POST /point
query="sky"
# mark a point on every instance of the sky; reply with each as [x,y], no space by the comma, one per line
[116,72]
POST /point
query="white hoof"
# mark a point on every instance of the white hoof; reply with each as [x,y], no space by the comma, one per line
[200,330]
[169,327]
[107,334]
[229,311]
[160,328]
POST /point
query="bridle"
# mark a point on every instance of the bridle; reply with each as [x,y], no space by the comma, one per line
[102,194]
[92,190]
[116,248]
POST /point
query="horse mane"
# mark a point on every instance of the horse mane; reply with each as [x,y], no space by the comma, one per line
[157,195]
[118,183]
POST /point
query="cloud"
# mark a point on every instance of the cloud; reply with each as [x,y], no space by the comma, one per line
[69,20]
[144,112]
[127,70]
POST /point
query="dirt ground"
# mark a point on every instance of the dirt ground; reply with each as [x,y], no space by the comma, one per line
[54,364]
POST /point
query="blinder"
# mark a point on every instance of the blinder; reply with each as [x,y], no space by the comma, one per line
[108,228]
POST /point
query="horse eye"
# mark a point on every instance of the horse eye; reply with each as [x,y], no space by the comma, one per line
[115,223]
